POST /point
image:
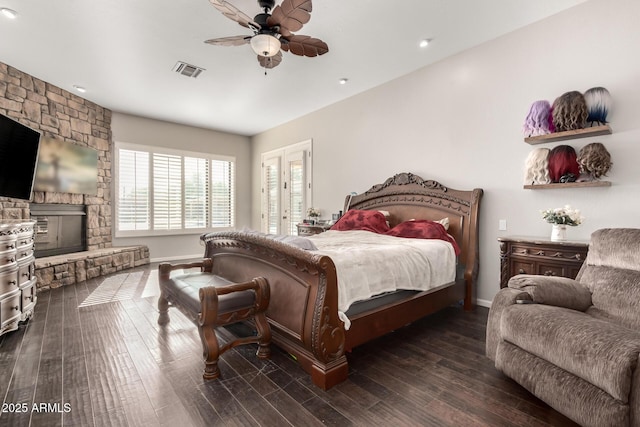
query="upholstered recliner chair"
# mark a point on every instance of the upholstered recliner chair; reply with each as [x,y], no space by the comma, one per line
[575,344]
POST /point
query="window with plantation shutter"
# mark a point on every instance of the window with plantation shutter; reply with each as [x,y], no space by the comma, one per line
[271,196]
[133,190]
[196,192]
[222,203]
[167,192]
[163,191]
[296,193]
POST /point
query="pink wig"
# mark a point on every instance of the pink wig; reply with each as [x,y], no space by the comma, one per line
[538,119]
[562,162]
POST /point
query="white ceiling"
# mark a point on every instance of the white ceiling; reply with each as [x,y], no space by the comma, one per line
[123,52]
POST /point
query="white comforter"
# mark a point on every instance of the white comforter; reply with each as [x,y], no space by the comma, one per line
[369,264]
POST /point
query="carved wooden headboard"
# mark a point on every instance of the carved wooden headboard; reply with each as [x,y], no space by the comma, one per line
[407,196]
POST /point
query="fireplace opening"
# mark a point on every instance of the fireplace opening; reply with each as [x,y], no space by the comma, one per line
[60,228]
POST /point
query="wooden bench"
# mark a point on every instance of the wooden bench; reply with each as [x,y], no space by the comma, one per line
[211,301]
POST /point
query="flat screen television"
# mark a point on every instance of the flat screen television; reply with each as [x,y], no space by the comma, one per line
[66,167]
[19,147]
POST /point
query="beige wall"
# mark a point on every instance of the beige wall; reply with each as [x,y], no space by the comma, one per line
[459,122]
[139,130]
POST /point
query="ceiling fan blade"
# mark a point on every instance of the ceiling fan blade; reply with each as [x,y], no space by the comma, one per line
[305,46]
[291,15]
[235,14]
[229,41]
[270,62]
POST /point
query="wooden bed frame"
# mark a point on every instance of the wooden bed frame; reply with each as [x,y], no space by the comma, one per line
[303,311]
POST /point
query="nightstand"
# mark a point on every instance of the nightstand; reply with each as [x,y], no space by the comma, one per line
[311,229]
[530,255]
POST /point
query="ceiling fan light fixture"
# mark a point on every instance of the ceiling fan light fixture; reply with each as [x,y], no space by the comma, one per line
[265,45]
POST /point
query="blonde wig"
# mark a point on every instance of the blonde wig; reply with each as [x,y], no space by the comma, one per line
[594,161]
[537,167]
[570,112]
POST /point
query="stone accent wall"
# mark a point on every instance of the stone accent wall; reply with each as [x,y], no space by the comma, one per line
[61,114]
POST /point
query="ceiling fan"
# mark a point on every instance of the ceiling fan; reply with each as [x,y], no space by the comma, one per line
[272,31]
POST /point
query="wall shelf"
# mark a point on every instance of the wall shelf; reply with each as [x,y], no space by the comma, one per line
[569,185]
[569,134]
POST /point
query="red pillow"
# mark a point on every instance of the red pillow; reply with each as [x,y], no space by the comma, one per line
[355,219]
[423,229]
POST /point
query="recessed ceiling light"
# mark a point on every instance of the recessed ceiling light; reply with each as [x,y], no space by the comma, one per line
[343,81]
[11,14]
[424,43]
[79,88]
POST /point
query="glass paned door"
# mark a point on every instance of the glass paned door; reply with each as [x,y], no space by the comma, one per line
[286,188]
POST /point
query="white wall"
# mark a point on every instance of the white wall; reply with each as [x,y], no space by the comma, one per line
[138,130]
[459,122]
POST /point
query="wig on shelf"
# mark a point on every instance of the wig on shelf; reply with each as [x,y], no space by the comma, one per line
[563,164]
[570,111]
[594,161]
[539,120]
[598,100]
[536,169]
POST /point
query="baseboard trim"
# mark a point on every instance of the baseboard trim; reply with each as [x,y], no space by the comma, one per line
[483,303]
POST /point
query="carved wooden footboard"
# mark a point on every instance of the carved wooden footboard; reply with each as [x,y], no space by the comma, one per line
[303,310]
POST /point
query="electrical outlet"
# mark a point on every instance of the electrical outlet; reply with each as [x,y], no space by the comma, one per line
[502,225]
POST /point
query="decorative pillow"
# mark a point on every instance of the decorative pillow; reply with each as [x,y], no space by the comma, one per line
[444,221]
[423,229]
[355,219]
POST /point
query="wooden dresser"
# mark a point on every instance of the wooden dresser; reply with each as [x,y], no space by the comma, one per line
[530,255]
[17,274]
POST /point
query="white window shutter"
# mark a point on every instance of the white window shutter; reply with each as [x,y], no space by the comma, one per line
[133,190]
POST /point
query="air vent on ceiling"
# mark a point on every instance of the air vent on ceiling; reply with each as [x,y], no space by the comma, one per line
[187,69]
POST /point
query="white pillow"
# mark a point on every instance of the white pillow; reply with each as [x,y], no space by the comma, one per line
[444,222]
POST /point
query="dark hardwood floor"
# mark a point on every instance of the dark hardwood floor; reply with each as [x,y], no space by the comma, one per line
[93,355]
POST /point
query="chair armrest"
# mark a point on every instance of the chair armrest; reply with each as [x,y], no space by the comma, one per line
[209,298]
[552,290]
[165,269]
[506,297]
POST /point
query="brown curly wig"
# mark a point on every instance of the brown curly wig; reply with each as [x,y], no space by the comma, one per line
[570,112]
[594,160]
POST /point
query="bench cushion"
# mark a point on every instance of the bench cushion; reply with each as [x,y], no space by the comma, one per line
[602,353]
[184,290]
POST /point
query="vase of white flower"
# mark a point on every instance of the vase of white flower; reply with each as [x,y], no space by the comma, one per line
[313,214]
[561,218]
[558,233]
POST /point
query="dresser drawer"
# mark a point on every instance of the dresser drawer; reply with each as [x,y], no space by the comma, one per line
[26,270]
[29,297]
[10,312]
[8,281]
[7,259]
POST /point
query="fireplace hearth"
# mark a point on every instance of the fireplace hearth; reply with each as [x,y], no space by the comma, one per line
[60,228]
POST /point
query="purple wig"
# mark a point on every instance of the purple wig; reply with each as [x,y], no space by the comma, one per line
[538,119]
